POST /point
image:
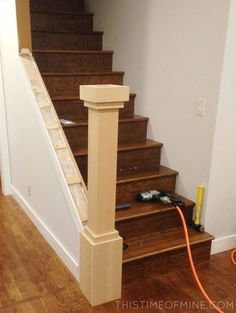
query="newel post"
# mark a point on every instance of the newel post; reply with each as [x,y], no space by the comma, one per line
[100,243]
[23,24]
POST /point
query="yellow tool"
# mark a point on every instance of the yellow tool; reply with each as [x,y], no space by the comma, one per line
[200,193]
[196,224]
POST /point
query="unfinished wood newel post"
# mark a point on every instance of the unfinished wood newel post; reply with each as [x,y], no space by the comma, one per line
[23,24]
[100,243]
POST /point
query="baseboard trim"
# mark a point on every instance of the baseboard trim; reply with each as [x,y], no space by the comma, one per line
[223,244]
[60,250]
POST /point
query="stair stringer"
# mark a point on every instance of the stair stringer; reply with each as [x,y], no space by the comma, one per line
[70,172]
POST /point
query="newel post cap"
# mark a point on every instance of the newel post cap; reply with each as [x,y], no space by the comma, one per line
[102,96]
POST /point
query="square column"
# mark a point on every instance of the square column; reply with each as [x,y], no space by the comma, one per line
[100,243]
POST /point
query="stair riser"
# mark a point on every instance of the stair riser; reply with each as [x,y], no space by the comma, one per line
[166,262]
[73,63]
[69,41]
[69,85]
[59,22]
[129,161]
[138,161]
[75,110]
[152,223]
[126,192]
[68,6]
[78,136]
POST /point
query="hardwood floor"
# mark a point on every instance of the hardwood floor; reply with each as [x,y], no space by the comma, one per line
[34,280]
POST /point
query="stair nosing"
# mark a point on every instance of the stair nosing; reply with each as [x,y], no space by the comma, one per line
[62,13]
[141,146]
[148,176]
[154,212]
[122,120]
[132,217]
[162,251]
[67,98]
[83,73]
[57,51]
[69,32]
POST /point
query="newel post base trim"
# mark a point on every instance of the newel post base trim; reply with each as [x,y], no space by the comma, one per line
[100,267]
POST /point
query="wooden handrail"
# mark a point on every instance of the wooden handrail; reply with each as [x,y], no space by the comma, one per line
[100,243]
[23,24]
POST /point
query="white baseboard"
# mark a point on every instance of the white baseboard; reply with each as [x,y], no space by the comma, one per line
[223,244]
[60,250]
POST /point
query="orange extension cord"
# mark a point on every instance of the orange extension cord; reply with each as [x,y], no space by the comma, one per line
[233,255]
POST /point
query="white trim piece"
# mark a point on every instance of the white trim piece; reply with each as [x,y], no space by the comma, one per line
[25,51]
[57,246]
[223,244]
[73,180]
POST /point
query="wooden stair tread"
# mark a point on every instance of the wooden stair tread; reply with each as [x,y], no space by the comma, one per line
[162,242]
[83,73]
[73,97]
[122,120]
[72,51]
[140,209]
[68,32]
[62,13]
[163,171]
[126,147]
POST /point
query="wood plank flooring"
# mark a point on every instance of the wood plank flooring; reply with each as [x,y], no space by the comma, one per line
[34,280]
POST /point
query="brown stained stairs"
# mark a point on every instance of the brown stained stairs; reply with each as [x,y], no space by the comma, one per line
[69,54]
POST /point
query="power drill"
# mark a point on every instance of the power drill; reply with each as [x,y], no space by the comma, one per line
[160,196]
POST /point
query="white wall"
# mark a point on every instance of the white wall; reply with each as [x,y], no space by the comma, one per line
[221,204]
[172,53]
[33,164]
[4,148]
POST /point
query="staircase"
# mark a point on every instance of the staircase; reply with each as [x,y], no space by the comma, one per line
[69,54]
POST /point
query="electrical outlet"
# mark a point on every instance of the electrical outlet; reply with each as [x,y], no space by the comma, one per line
[29,191]
[201,107]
